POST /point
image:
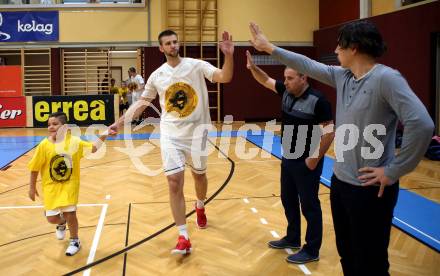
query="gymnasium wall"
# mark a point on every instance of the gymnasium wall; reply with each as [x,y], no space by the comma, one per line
[336,12]
[110,25]
[282,20]
[408,36]
[379,7]
[295,21]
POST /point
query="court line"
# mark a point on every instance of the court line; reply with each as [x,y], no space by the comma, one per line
[274,234]
[305,269]
[417,230]
[51,233]
[289,251]
[96,238]
[126,239]
[15,188]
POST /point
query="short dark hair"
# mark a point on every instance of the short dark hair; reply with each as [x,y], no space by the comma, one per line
[299,74]
[362,35]
[60,116]
[165,33]
[132,69]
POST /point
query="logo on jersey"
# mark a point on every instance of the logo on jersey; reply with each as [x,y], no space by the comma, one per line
[60,167]
[180,99]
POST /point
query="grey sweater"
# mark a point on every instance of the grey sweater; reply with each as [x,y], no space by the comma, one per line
[367,112]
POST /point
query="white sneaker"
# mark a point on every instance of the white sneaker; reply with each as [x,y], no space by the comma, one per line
[73,248]
[60,231]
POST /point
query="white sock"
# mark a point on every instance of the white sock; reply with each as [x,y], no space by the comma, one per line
[183,231]
[200,204]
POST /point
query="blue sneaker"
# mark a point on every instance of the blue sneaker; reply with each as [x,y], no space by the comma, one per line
[283,244]
[301,257]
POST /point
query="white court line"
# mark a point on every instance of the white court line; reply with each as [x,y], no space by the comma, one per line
[246,200]
[96,238]
[263,220]
[275,234]
[325,179]
[417,230]
[305,269]
[254,210]
[108,197]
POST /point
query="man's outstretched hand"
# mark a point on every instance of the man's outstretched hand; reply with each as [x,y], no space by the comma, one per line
[259,40]
[226,45]
[113,130]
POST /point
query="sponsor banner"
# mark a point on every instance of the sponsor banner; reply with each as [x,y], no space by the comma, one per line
[10,81]
[80,110]
[13,112]
[29,26]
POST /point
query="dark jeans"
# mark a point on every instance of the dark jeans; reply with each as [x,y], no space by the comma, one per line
[300,185]
[362,223]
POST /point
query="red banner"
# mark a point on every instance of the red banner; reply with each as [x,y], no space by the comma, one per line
[13,112]
[10,81]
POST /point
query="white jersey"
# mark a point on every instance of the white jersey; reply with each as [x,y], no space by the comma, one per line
[183,97]
[136,94]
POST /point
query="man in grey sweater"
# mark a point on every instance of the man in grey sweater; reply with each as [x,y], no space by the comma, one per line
[371,99]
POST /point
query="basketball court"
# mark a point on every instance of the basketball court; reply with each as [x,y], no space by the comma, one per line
[126,225]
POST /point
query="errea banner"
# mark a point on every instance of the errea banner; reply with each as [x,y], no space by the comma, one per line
[81,110]
[29,26]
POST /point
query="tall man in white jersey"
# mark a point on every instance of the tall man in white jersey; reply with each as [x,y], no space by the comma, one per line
[185,119]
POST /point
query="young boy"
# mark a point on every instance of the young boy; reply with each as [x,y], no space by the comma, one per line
[57,158]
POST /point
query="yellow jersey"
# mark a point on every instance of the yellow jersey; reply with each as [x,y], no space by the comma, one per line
[59,164]
[123,95]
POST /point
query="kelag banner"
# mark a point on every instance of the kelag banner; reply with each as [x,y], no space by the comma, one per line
[80,110]
[29,26]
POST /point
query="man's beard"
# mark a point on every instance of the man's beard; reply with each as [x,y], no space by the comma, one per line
[175,54]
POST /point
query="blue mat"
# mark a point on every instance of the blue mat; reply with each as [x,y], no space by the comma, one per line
[416,215]
[12,148]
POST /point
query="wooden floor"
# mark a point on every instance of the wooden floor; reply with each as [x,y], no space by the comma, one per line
[242,218]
